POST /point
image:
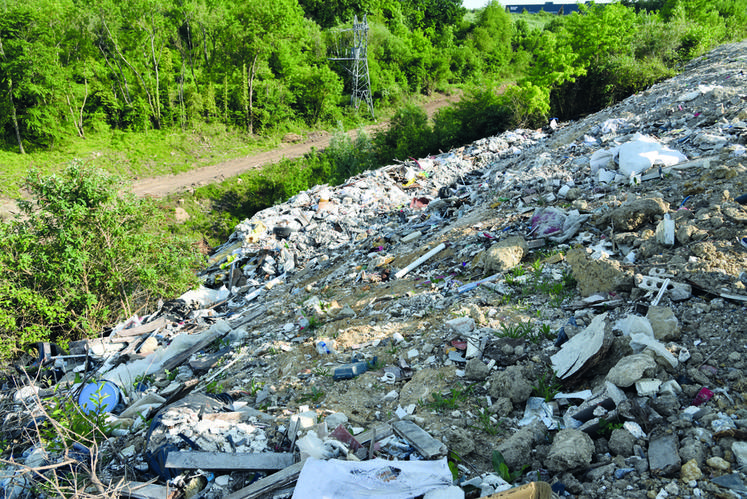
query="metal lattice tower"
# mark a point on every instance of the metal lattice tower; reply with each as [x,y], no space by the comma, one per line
[352,52]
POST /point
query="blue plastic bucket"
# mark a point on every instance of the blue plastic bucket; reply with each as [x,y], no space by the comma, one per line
[99,397]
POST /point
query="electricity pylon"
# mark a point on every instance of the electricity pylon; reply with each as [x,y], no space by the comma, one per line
[352,52]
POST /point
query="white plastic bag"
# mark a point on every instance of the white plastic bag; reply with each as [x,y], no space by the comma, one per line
[335,479]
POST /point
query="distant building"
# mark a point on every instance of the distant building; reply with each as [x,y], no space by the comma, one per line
[555,7]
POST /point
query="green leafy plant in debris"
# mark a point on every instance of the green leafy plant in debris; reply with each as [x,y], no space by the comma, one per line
[450,401]
[500,467]
[453,460]
[375,364]
[68,423]
[314,322]
[146,379]
[486,424]
[546,332]
[517,330]
[547,386]
[539,283]
[254,387]
[80,255]
[214,386]
[315,395]
[606,427]
[321,370]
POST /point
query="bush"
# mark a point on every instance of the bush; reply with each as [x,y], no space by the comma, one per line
[81,255]
[409,135]
[480,114]
[529,105]
[349,157]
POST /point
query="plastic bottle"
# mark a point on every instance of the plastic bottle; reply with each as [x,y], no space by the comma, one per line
[322,348]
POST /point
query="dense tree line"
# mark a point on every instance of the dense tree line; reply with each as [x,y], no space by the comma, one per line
[71,67]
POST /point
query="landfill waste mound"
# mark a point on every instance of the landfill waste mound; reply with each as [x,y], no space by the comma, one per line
[543,312]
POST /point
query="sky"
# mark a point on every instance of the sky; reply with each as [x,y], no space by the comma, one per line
[475,4]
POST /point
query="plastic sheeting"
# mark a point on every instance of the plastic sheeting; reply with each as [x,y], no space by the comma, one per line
[335,479]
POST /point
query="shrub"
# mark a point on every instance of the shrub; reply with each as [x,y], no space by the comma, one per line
[348,156]
[80,255]
[479,114]
[409,135]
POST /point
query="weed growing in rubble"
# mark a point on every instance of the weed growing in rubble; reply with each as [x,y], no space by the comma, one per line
[606,427]
[314,322]
[520,330]
[545,330]
[537,283]
[315,395]
[451,401]
[537,268]
[254,387]
[145,379]
[485,423]
[72,425]
[214,387]
[547,386]
[500,467]
[322,371]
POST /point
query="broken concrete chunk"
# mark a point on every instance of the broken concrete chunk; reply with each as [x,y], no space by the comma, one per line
[597,276]
[664,323]
[665,231]
[505,254]
[476,370]
[582,351]
[510,383]
[461,325]
[571,449]
[630,369]
[663,457]
[633,214]
[740,452]
[426,445]
[518,446]
[621,442]
[677,291]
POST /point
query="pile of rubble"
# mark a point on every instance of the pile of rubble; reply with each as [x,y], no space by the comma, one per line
[562,306]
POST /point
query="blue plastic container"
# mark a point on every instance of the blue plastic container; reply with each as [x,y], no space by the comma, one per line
[350,371]
[103,396]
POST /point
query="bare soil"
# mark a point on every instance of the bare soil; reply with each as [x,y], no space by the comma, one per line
[165,185]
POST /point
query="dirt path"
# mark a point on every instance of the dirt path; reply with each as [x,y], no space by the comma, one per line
[164,185]
[170,184]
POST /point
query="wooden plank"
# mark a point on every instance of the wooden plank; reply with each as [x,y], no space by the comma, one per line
[255,461]
[379,432]
[426,445]
[276,481]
